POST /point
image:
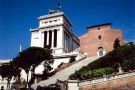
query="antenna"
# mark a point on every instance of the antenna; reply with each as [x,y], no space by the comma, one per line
[20,49]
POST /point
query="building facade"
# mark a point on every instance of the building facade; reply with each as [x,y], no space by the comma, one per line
[99,39]
[55,30]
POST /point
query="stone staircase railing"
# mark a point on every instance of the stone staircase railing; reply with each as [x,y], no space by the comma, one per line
[103,82]
[104,79]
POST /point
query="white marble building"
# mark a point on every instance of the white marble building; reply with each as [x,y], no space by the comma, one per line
[55,30]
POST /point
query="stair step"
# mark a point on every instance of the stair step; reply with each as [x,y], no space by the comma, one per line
[65,73]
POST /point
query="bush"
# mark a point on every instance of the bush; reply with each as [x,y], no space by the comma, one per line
[115,57]
[123,56]
[89,74]
[129,64]
[72,59]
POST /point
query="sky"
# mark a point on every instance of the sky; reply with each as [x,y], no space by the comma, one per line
[18,16]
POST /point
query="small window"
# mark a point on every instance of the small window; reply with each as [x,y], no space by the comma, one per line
[100,53]
[99,37]
[98,28]
[50,21]
[46,22]
[55,20]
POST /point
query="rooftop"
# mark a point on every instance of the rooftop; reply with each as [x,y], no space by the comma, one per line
[58,13]
[105,24]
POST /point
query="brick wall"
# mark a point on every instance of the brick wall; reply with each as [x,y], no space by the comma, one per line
[90,41]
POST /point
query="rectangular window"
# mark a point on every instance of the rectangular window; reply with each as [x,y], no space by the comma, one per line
[55,20]
[99,37]
[100,53]
[50,21]
[46,22]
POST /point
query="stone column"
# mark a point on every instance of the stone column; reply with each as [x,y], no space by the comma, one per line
[42,39]
[47,37]
[65,42]
[52,39]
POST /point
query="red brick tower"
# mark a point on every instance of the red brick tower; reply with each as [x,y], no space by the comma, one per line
[99,39]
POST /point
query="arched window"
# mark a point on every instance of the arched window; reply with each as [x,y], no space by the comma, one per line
[100,51]
[100,48]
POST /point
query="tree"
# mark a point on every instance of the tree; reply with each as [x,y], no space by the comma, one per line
[122,58]
[116,43]
[8,71]
[32,57]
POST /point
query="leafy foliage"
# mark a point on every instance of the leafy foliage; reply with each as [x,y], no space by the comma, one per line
[115,57]
[124,56]
[128,64]
[32,57]
[72,59]
[8,71]
[85,73]
[116,43]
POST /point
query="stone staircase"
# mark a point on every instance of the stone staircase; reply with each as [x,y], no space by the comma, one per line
[65,73]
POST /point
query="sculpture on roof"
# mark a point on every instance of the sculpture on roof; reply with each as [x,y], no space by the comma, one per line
[58,7]
[50,11]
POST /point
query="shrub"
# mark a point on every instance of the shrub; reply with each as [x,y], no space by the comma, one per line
[102,71]
[123,56]
[72,59]
[60,64]
[89,74]
[115,57]
[128,64]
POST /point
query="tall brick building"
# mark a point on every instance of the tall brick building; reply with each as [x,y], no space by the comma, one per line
[99,39]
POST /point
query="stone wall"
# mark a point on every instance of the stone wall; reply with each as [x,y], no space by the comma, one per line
[128,82]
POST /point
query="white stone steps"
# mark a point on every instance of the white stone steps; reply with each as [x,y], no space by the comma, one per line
[65,73]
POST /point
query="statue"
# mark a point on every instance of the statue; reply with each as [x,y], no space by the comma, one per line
[51,11]
[55,11]
[58,6]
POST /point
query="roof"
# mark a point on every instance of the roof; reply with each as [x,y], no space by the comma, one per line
[55,14]
[99,25]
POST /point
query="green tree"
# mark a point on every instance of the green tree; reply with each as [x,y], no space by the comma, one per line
[32,57]
[8,71]
[116,43]
[124,57]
